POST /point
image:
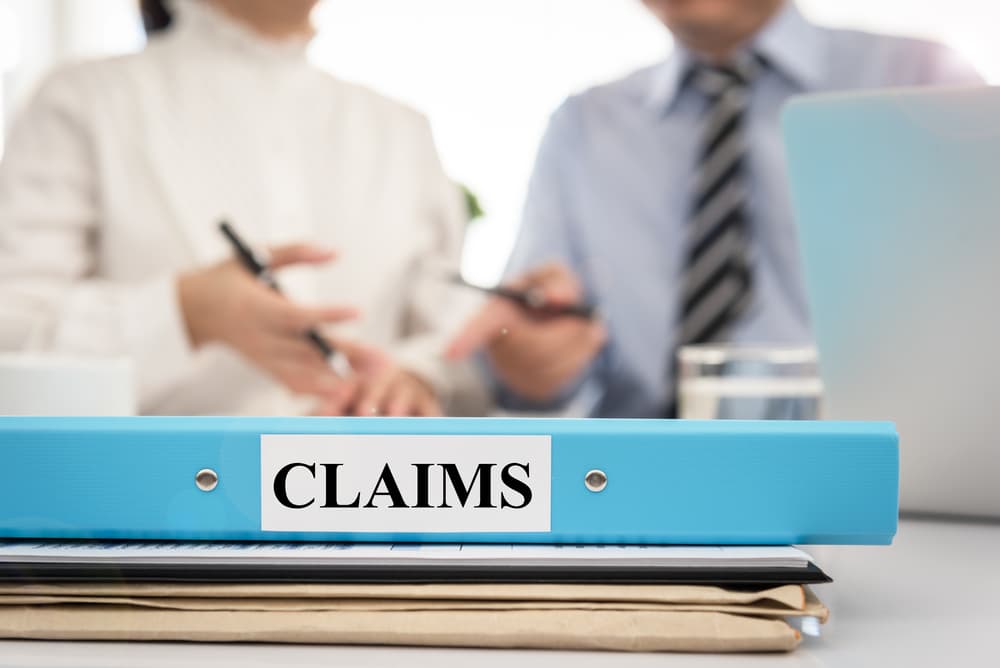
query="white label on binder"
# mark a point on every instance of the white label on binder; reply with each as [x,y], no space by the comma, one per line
[373,483]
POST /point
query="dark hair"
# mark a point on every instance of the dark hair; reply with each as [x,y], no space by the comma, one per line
[155,16]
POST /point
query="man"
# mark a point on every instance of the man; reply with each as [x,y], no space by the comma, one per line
[662,198]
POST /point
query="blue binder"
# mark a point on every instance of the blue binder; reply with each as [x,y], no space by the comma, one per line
[449,480]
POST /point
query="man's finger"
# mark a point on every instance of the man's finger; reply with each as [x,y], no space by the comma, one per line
[494,320]
[550,273]
[551,338]
[560,294]
[553,282]
[575,358]
[282,256]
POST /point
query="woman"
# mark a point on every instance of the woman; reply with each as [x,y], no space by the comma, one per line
[115,179]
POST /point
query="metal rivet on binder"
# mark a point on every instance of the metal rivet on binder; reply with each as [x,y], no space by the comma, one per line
[206,479]
[595,480]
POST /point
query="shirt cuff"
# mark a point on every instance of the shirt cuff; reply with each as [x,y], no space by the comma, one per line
[579,398]
[156,337]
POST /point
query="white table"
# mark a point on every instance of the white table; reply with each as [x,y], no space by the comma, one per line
[931,599]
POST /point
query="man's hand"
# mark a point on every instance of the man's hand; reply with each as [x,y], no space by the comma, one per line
[225,304]
[534,355]
[379,386]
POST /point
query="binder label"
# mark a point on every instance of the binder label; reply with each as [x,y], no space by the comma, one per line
[372,483]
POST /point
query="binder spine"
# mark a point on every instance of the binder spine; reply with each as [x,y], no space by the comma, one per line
[664,482]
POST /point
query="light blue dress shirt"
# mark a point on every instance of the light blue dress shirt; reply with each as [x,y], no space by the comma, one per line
[611,189]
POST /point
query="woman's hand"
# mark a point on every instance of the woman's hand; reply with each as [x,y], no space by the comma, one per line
[379,386]
[225,304]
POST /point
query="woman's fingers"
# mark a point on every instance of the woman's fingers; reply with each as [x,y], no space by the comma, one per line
[299,319]
[400,400]
[295,349]
[341,400]
[426,405]
[378,386]
[305,379]
[374,393]
[283,256]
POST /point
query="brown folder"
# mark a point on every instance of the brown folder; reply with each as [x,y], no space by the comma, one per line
[605,617]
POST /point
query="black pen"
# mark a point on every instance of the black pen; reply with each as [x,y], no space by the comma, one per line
[338,361]
[533,300]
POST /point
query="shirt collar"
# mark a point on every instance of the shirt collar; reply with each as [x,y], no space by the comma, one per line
[207,22]
[794,47]
[667,80]
[790,45]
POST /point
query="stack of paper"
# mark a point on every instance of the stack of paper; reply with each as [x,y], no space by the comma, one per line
[341,490]
[621,597]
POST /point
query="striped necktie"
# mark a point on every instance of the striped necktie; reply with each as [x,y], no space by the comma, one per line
[717,283]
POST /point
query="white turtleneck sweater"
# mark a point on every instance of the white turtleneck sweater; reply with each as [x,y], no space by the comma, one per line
[117,173]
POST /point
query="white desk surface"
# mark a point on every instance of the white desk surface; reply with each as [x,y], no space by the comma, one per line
[931,599]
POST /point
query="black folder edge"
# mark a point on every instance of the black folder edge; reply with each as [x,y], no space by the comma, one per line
[44,573]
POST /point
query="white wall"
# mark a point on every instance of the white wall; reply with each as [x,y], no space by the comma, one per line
[35,35]
[969,26]
[488,74]
[26,44]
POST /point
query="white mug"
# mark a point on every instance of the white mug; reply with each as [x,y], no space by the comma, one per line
[43,384]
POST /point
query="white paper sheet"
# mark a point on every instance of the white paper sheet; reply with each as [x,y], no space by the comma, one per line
[402,554]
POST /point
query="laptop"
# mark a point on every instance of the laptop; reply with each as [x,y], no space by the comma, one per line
[897,198]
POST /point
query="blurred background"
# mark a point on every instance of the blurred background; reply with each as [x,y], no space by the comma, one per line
[488,74]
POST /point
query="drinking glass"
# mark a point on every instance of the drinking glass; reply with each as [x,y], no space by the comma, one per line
[748,382]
